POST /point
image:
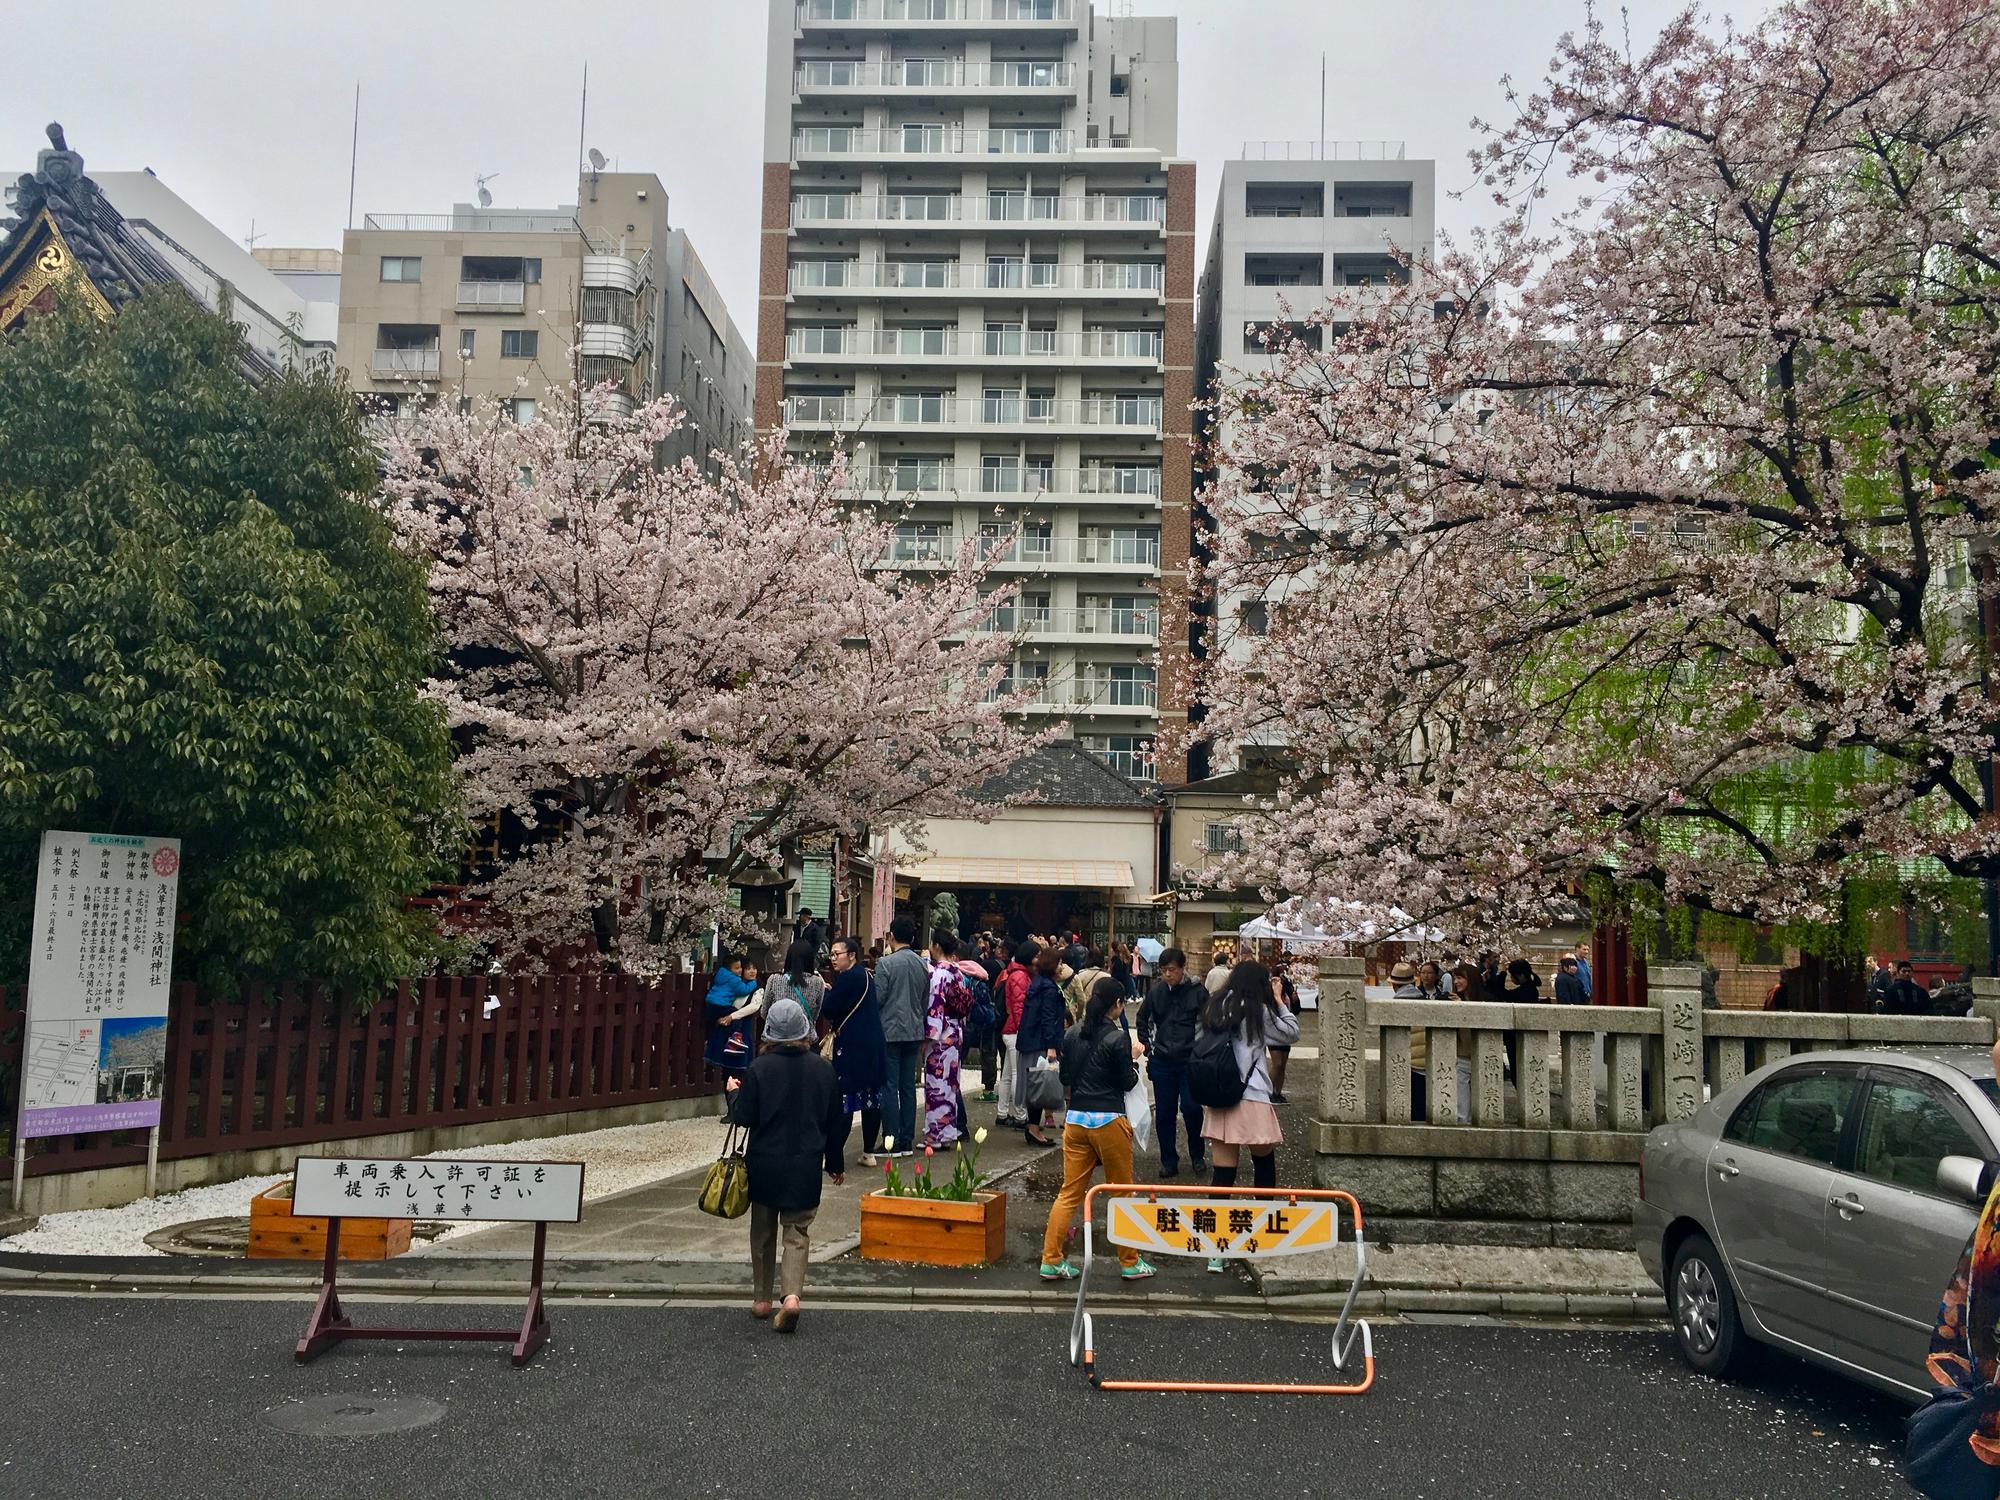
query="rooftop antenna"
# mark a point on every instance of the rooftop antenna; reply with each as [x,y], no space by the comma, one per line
[596,160]
[353,154]
[583,110]
[1322,104]
[479,181]
[250,239]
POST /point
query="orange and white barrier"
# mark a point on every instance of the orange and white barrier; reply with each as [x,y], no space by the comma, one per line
[1229,1223]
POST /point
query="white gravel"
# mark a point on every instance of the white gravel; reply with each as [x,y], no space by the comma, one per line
[627,1156]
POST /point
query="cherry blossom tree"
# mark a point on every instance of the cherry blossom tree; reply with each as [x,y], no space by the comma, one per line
[1643,552]
[669,679]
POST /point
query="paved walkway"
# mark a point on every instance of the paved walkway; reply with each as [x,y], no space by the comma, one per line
[661,1222]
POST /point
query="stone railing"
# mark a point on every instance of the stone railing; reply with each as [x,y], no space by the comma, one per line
[1526,1122]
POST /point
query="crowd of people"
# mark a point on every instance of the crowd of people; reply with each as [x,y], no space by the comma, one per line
[1061,1043]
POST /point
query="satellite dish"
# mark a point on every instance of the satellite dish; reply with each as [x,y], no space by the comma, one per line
[485,198]
[597,160]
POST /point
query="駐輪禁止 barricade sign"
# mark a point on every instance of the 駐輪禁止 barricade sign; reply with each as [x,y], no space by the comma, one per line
[469,1191]
[1222,1223]
[94,1051]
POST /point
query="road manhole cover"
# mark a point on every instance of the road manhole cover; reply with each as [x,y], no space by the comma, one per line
[354,1416]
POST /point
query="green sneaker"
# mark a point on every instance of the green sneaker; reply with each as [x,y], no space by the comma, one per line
[988,1095]
[1218,1267]
[1062,1270]
[1139,1270]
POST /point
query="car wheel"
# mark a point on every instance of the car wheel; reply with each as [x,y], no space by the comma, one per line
[1703,1305]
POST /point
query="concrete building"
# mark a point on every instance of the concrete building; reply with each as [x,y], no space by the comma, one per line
[498,302]
[978,261]
[284,327]
[1296,222]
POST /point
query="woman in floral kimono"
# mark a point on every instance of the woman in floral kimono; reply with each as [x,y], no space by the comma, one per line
[950,1003]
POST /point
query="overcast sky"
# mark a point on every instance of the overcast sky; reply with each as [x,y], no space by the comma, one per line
[244,107]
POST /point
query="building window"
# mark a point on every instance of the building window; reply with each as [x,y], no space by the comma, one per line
[466,338]
[522,409]
[1256,617]
[402,267]
[518,343]
[1127,754]
[1223,838]
[531,269]
[1121,85]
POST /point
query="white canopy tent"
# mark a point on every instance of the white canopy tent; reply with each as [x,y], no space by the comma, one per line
[1282,924]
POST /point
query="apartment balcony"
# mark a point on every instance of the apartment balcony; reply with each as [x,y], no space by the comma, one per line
[1074,626]
[928,77]
[1098,484]
[943,142]
[1117,695]
[952,280]
[1112,552]
[947,212]
[404,364]
[933,17]
[492,296]
[918,347]
[617,273]
[608,341]
[1008,416]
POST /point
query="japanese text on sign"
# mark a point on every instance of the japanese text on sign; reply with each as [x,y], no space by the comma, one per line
[368,1187]
[98,980]
[1227,1228]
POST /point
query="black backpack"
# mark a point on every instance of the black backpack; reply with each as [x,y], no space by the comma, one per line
[1212,1075]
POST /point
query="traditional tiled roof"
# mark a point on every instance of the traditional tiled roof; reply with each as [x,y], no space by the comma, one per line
[60,221]
[1064,774]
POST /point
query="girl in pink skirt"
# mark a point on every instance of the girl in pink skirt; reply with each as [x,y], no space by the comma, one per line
[1252,1006]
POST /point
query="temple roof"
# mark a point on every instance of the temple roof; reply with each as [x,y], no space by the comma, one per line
[60,221]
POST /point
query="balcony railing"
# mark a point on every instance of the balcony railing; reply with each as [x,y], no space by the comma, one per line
[1139,553]
[931,140]
[833,12]
[498,296]
[932,478]
[872,343]
[930,74]
[404,364]
[927,409]
[949,275]
[1128,624]
[997,208]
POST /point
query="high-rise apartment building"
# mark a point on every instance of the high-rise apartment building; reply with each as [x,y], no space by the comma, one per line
[491,302]
[1297,223]
[978,262]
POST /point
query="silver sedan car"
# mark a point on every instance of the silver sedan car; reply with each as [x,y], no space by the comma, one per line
[1819,1206]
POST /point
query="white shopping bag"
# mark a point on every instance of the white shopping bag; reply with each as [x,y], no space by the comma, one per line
[1139,1110]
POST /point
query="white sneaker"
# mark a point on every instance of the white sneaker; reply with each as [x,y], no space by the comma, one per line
[868,1161]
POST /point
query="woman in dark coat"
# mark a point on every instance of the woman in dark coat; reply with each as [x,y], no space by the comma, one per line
[789,1101]
[860,1055]
[1044,1015]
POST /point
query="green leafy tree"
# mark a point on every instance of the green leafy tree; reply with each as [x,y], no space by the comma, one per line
[207,631]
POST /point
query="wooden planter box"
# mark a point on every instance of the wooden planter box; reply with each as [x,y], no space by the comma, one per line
[276,1233]
[932,1232]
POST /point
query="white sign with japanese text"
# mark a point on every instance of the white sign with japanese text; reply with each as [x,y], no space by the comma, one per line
[95,1052]
[375,1187]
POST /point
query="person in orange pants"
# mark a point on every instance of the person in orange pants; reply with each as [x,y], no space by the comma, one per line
[1100,1065]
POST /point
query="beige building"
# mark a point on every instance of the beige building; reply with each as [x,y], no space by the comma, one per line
[490,302]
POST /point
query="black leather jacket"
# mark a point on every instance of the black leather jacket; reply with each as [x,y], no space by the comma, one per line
[1097,1069]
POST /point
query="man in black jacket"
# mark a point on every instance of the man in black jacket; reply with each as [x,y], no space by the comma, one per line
[1167,1025]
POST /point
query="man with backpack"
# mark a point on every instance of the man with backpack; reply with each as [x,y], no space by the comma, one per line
[1167,1021]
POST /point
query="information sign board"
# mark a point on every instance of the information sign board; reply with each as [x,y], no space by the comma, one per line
[1224,1228]
[390,1187]
[99,974]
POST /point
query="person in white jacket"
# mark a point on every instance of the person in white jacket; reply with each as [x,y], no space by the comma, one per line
[1252,1006]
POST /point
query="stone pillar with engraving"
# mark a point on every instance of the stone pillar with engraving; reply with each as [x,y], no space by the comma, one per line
[1676,992]
[1344,1041]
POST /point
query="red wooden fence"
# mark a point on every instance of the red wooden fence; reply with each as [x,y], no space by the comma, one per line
[296,1065]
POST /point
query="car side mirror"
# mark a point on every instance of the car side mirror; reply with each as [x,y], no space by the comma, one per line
[1966,1178]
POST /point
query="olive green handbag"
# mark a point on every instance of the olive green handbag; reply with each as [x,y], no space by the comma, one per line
[725,1192]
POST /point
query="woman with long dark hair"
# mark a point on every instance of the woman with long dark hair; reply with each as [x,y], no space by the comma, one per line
[800,981]
[1100,1066]
[1251,1008]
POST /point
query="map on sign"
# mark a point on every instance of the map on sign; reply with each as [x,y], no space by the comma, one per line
[1224,1228]
[373,1187]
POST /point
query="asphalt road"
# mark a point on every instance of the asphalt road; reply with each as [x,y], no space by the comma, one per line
[148,1398]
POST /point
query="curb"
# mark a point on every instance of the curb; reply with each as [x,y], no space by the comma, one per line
[1551,1306]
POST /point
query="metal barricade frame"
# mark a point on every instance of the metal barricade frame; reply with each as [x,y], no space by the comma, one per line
[1082,1345]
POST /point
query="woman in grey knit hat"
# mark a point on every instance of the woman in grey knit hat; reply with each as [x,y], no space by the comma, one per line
[790,1103]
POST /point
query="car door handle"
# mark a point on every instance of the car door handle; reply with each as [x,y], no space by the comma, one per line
[1849,1205]
[1728,1169]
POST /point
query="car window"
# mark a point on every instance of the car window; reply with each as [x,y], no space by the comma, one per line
[1796,1114]
[1906,1129]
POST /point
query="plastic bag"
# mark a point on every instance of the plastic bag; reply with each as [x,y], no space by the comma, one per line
[1045,1090]
[1139,1110]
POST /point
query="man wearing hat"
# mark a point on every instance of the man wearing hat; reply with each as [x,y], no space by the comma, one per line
[790,1103]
